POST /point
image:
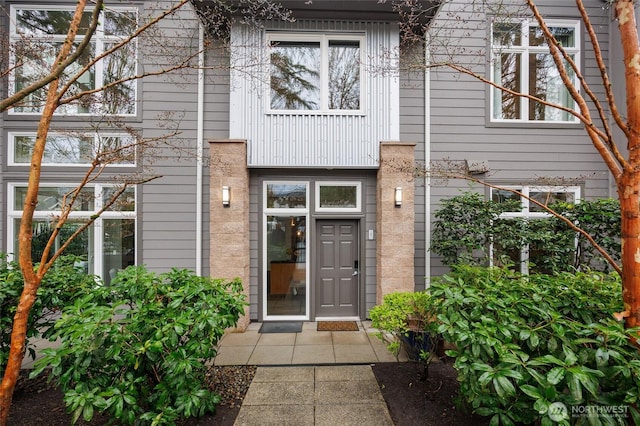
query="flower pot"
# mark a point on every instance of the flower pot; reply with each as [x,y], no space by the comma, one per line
[415,342]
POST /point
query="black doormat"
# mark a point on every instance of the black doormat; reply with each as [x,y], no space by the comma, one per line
[337,326]
[281,327]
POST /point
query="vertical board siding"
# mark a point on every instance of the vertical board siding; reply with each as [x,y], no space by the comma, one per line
[314,139]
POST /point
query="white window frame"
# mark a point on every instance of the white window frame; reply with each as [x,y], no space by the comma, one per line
[99,38]
[96,137]
[526,213]
[284,212]
[524,50]
[323,39]
[98,243]
[357,185]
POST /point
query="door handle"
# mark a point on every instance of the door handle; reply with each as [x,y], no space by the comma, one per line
[354,273]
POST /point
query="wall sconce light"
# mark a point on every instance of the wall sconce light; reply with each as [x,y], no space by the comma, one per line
[226,196]
[398,196]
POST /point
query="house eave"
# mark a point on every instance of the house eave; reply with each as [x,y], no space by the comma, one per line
[421,12]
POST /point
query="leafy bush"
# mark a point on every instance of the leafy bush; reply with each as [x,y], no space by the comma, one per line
[601,219]
[394,316]
[138,349]
[57,289]
[524,343]
[467,226]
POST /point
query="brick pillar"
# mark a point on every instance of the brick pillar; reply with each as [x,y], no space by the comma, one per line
[229,234]
[395,240]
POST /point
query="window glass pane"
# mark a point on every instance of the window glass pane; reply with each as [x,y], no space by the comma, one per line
[338,196]
[36,63]
[507,34]
[119,246]
[564,35]
[126,202]
[48,22]
[35,55]
[502,196]
[549,198]
[59,149]
[81,246]
[120,98]
[54,198]
[344,74]
[507,74]
[295,75]
[545,83]
[120,24]
[286,260]
[286,196]
[117,149]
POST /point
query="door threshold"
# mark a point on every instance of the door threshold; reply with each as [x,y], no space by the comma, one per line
[337,319]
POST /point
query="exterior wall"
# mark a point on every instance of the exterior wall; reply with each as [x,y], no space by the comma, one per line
[395,251]
[514,153]
[166,224]
[341,139]
[166,219]
[230,224]
[412,130]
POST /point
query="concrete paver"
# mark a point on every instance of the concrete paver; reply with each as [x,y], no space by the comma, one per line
[307,347]
[318,395]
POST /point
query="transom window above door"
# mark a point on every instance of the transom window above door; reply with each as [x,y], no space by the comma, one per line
[338,196]
[315,72]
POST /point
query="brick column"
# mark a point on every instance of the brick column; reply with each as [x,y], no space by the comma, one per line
[395,240]
[229,234]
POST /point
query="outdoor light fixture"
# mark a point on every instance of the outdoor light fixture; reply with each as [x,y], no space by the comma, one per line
[398,196]
[226,196]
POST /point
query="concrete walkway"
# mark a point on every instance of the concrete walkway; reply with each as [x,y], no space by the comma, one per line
[315,395]
[310,347]
[310,378]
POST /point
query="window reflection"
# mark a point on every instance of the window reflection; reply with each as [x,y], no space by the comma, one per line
[287,265]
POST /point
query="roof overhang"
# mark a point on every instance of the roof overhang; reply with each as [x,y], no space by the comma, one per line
[419,14]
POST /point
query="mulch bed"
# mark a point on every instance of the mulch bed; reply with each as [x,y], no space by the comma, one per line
[412,401]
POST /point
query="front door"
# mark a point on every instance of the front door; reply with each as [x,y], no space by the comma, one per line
[337,268]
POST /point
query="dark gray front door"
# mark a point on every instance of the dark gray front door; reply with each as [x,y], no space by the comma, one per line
[337,268]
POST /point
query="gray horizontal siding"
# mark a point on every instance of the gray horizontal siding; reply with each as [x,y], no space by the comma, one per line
[514,154]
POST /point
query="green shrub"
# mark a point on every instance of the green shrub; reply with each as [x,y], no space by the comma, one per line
[467,225]
[524,343]
[601,219]
[138,349]
[407,314]
[57,289]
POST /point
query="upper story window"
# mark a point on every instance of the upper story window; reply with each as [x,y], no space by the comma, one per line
[37,33]
[315,72]
[521,62]
[74,149]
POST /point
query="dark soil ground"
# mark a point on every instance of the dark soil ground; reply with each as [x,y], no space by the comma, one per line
[411,400]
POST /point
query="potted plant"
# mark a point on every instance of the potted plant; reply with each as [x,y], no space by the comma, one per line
[406,320]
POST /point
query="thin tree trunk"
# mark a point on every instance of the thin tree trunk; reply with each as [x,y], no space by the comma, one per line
[630,210]
[629,182]
[32,279]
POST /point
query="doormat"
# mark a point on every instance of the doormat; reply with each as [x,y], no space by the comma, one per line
[337,326]
[281,327]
